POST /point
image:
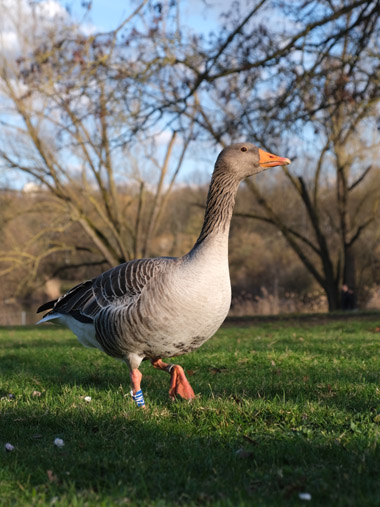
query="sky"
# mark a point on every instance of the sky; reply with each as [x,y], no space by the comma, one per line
[107,14]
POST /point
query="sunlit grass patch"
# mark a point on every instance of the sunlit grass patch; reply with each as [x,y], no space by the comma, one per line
[282,409]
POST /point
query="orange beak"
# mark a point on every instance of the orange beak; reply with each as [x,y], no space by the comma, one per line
[269,160]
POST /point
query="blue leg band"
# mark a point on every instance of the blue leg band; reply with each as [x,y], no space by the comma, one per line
[138,398]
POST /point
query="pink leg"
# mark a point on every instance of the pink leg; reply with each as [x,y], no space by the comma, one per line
[179,383]
[136,377]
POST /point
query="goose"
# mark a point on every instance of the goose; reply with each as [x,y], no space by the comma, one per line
[167,306]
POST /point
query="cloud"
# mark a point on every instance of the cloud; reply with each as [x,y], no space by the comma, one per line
[21,21]
[50,9]
[13,10]
[8,39]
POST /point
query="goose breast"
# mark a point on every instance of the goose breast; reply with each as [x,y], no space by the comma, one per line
[177,311]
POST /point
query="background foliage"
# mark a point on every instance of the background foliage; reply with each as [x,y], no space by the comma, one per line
[99,132]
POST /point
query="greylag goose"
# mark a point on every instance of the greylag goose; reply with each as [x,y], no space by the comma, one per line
[164,307]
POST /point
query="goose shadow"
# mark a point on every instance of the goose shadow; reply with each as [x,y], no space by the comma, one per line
[146,459]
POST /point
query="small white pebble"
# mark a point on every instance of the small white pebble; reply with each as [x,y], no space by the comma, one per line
[87,398]
[9,447]
[305,496]
[59,442]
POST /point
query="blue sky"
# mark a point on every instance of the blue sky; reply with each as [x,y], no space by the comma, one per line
[107,14]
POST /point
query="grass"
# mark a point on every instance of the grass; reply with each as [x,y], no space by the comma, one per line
[283,408]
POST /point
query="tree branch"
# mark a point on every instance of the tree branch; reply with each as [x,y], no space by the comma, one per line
[360,179]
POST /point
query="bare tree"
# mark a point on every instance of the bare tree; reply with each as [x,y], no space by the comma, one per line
[318,71]
[67,127]
[258,73]
[334,94]
[80,108]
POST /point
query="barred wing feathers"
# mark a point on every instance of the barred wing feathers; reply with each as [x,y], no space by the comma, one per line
[118,286]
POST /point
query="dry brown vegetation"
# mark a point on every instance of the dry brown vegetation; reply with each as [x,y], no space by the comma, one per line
[266,274]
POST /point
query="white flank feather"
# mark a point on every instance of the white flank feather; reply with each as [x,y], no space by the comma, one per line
[84,332]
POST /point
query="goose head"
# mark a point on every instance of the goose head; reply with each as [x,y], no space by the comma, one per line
[246,159]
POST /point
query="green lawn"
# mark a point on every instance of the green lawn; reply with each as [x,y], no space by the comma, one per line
[283,407]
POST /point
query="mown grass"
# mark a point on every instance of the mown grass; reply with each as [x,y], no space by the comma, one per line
[282,408]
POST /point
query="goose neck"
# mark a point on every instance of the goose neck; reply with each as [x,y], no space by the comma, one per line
[219,207]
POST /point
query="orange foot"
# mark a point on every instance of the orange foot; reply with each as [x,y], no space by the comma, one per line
[179,384]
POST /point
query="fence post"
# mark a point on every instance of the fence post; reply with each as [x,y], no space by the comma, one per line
[23,318]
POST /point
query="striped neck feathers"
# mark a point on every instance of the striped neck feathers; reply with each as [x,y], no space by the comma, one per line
[220,203]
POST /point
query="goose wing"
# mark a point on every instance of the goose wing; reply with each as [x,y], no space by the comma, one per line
[115,287]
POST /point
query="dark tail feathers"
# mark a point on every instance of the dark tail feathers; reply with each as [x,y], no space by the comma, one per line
[47,306]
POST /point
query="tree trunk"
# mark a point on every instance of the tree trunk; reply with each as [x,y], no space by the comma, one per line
[333,297]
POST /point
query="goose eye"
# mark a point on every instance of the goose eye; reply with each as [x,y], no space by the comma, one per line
[244,148]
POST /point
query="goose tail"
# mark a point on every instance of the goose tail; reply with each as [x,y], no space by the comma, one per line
[49,316]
